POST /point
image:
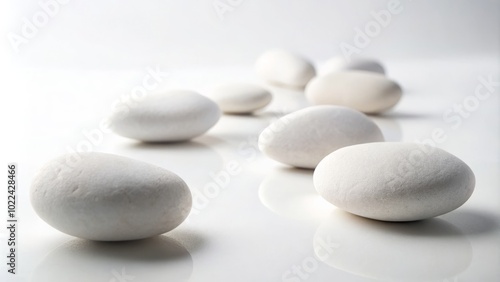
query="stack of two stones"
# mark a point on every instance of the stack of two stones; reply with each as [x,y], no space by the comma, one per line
[354,169]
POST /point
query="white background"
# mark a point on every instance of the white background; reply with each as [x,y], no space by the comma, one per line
[110,34]
[64,80]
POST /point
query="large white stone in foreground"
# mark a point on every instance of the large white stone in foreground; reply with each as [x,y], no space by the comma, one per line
[109,198]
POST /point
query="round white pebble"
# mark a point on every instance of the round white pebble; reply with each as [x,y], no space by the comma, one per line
[304,137]
[362,64]
[367,92]
[241,98]
[106,197]
[177,115]
[284,68]
[394,181]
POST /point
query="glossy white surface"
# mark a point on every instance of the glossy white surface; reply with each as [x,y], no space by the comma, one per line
[266,221]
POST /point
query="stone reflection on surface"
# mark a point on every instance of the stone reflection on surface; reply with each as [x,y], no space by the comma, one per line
[178,158]
[289,192]
[425,250]
[155,259]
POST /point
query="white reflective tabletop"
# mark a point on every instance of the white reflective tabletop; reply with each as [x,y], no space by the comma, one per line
[254,219]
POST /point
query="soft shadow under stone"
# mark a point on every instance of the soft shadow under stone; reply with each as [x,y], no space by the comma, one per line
[431,249]
[155,259]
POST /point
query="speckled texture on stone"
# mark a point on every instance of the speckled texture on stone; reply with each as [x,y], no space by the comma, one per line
[393,181]
[106,197]
[176,115]
[304,137]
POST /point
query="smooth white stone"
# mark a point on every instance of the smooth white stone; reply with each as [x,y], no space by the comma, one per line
[106,197]
[304,137]
[176,115]
[284,68]
[362,64]
[241,98]
[367,92]
[394,181]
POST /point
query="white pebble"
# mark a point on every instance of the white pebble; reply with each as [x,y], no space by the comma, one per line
[106,197]
[241,98]
[367,92]
[394,181]
[304,137]
[362,64]
[284,68]
[173,116]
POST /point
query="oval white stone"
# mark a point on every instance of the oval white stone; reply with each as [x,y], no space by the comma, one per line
[284,68]
[394,181]
[176,115]
[241,98]
[304,137]
[340,64]
[106,197]
[367,92]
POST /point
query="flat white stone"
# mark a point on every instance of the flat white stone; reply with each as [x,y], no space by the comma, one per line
[241,98]
[106,197]
[367,92]
[341,64]
[284,68]
[394,181]
[176,115]
[304,137]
